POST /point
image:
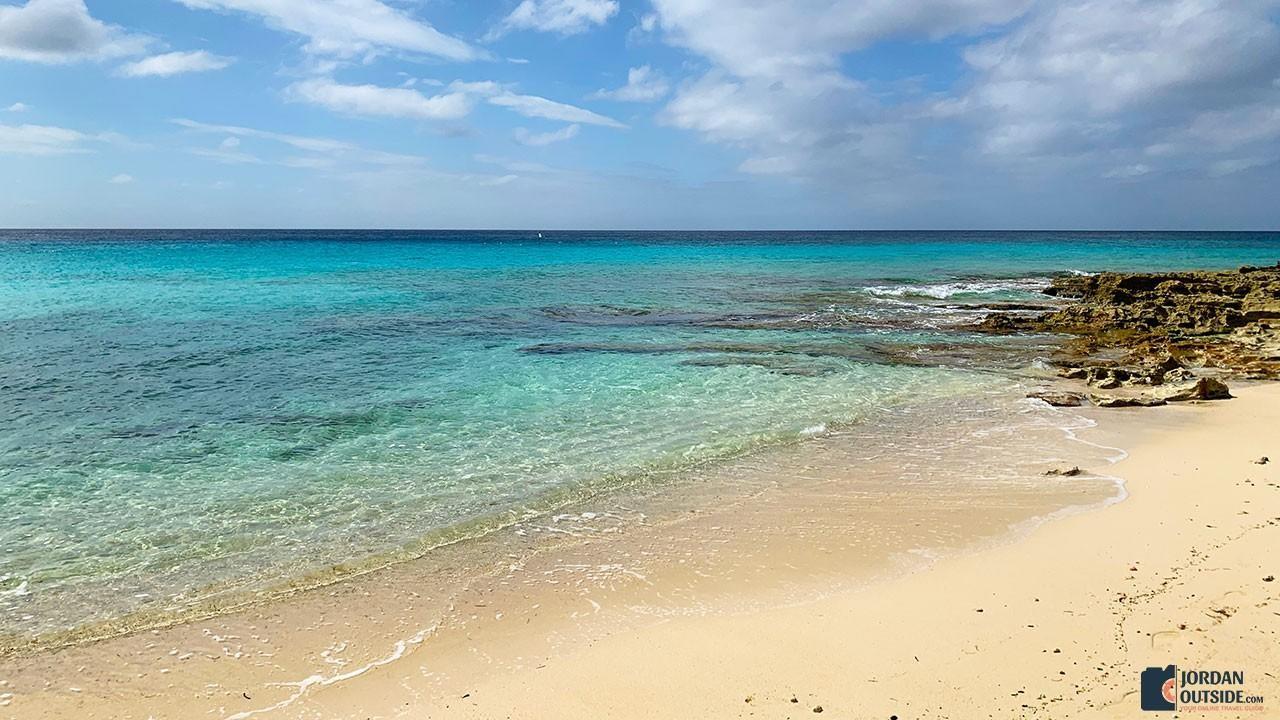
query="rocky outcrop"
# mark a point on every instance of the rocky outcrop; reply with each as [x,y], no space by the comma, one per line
[1119,401]
[1167,336]
[1058,398]
[1205,388]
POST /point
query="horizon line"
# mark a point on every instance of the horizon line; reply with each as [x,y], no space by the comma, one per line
[637,230]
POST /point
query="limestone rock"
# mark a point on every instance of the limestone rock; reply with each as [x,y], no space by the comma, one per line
[1120,401]
[1204,388]
[1156,325]
[1058,398]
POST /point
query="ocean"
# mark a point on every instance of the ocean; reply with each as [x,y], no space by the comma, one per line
[196,414]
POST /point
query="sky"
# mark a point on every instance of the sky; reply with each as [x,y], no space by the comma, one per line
[641,114]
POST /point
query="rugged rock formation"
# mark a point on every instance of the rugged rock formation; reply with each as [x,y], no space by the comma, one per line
[1166,334]
[1058,398]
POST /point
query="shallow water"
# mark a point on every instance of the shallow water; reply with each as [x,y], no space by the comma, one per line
[191,415]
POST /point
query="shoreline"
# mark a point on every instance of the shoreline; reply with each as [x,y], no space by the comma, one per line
[739,538]
[640,486]
[803,571]
[524,670]
[1057,622]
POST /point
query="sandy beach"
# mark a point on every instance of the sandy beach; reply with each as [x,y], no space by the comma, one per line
[639,359]
[1056,624]
[1055,619]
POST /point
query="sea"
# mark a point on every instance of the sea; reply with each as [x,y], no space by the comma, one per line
[197,414]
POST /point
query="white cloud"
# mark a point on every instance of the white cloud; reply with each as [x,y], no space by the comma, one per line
[777,91]
[383,101]
[321,148]
[644,28]
[753,38]
[525,137]
[18,107]
[1124,89]
[226,156]
[1235,128]
[566,17]
[643,85]
[310,144]
[121,179]
[348,27]
[41,140]
[61,31]
[175,63]
[539,107]
[822,128]
[1083,74]
[375,100]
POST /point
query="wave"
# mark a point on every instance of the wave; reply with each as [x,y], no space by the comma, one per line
[948,290]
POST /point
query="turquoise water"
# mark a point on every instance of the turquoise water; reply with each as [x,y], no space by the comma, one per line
[195,413]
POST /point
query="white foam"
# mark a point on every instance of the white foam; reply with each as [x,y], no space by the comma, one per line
[942,291]
[401,648]
[20,591]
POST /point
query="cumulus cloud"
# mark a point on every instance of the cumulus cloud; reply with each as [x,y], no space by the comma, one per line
[752,38]
[348,27]
[778,93]
[18,107]
[1085,74]
[62,31]
[175,63]
[643,85]
[532,139]
[824,128]
[380,101]
[121,179]
[1123,89]
[565,17]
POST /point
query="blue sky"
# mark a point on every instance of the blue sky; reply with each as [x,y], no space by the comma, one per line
[640,113]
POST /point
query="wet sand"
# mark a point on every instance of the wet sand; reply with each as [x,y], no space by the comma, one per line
[924,597]
[1057,624]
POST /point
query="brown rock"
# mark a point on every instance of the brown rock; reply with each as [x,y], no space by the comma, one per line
[1155,323]
[1119,401]
[1201,389]
[1071,472]
[1058,398]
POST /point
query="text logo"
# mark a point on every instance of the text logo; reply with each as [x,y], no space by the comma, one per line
[1160,688]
